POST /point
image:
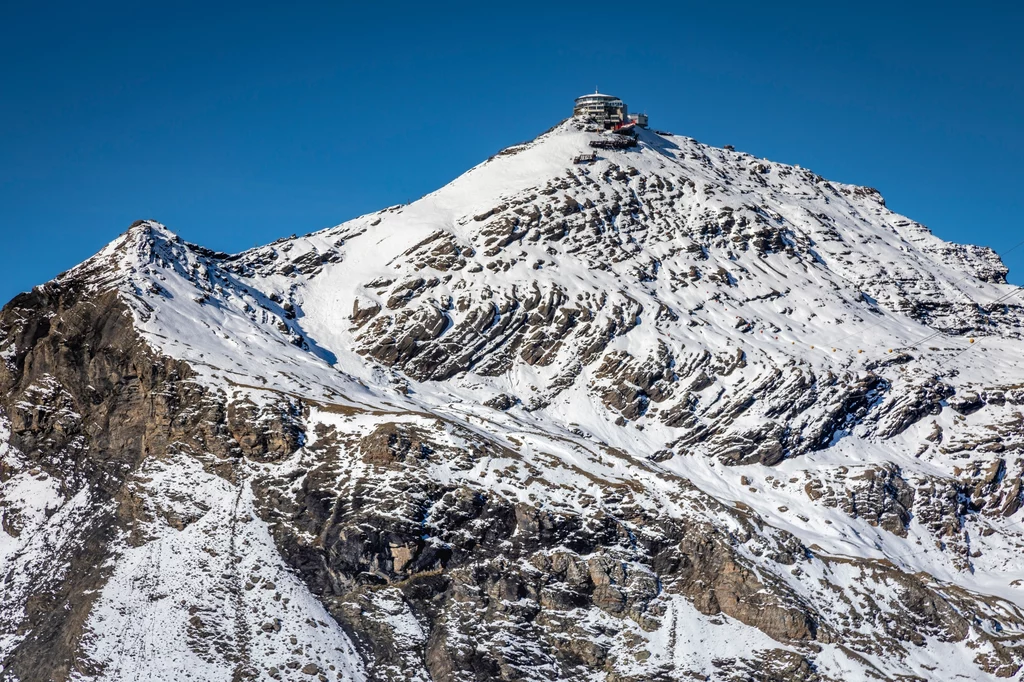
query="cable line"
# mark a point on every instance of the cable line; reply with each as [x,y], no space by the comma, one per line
[966,276]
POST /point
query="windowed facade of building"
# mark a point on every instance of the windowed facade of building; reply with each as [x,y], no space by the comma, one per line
[605,110]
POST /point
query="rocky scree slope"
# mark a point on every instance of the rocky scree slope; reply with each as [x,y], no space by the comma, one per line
[674,413]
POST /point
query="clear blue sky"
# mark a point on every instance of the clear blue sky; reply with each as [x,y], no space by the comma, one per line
[237,124]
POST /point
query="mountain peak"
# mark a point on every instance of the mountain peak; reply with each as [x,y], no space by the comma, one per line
[143,242]
[148,226]
[146,239]
[612,403]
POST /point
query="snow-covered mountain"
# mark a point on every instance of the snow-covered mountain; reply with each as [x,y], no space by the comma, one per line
[674,412]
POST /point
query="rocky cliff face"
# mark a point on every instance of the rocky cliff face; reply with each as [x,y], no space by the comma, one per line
[673,413]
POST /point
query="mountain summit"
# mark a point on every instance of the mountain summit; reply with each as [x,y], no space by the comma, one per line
[612,405]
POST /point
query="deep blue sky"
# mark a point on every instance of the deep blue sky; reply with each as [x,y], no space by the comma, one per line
[235,125]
